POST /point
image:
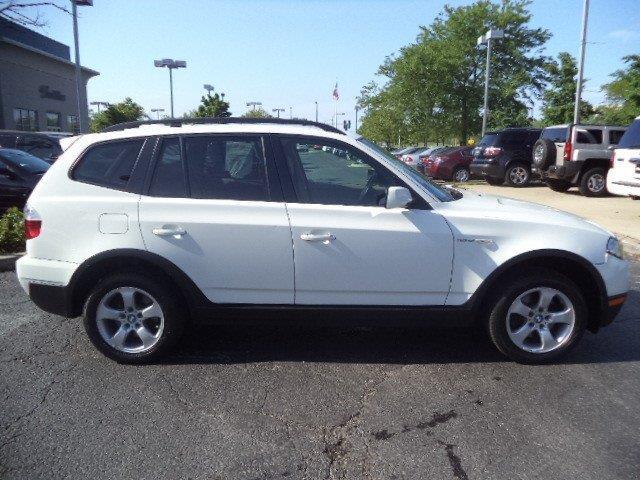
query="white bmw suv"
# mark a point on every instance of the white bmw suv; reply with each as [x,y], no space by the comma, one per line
[149,225]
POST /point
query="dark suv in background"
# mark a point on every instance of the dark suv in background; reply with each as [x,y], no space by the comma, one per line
[505,156]
[37,144]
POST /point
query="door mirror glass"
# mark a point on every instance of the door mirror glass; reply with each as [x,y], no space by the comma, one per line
[398,197]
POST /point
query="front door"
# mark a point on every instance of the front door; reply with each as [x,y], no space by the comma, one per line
[349,249]
[210,210]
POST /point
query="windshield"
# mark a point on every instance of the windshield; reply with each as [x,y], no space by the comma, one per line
[631,138]
[440,193]
[23,161]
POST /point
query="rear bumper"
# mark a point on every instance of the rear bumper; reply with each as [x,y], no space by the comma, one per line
[485,169]
[567,171]
[46,282]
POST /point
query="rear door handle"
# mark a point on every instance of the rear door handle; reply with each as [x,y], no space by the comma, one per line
[166,231]
[311,237]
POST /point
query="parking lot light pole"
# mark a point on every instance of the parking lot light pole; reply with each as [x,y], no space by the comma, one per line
[356,109]
[171,65]
[253,105]
[74,13]
[98,104]
[277,111]
[316,112]
[492,34]
[583,44]
[208,88]
[157,112]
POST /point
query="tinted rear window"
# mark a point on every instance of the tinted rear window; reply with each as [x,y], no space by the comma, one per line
[108,164]
[631,138]
[489,140]
[558,135]
[615,136]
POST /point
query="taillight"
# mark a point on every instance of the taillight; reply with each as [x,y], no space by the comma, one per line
[492,151]
[568,151]
[32,223]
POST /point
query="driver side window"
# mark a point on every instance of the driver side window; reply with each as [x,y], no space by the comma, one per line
[331,173]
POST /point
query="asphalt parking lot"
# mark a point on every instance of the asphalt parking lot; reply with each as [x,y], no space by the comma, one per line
[238,403]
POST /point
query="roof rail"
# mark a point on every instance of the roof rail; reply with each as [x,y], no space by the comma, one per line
[178,122]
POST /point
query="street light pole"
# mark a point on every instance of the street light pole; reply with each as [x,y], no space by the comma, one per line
[157,111]
[171,65]
[208,88]
[357,108]
[74,13]
[290,112]
[253,105]
[277,111]
[316,112]
[585,20]
[492,34]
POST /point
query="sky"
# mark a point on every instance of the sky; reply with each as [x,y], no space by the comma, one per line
[290,53]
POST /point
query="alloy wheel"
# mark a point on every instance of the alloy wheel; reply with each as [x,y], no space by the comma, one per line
[130,320]
[596,183]
[461,175]
[518,175]
[540,320]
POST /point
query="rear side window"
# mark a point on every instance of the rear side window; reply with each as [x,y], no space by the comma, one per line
[226,167]
[589,135]
[514,139]
[109,164]
[615,136]
[169,178]
[556,135]
[631,138]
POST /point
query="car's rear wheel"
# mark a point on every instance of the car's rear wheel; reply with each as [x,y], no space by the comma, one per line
[593,182]
[517,175]
[494,181]
[558,185]
[461,174]
[132,318]
[537,318]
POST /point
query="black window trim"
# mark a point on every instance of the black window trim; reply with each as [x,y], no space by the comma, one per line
[419,203]
[127,187]
[274,190]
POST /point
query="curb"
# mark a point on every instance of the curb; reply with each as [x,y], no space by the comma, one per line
[8,262]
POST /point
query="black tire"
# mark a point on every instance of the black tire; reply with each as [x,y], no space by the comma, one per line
[494,181]
[591,180]
[517,175]
[558,185]
[172,309]
[543,153]
[461,174]
[516,286]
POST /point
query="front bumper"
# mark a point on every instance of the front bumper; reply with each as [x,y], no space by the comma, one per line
[616,277]
[487,168]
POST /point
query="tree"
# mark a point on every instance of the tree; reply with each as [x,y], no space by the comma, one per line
[623,95]
[24,14]
[212,106]
[559,96]
[125,111]
[437,82]
[257,113]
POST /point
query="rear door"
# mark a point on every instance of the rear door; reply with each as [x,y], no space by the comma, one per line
[349,248]
[627,156]
[214,208]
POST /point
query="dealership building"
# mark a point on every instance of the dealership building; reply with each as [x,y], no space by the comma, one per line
[38,83]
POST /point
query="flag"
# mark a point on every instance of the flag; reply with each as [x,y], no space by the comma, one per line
[336,94]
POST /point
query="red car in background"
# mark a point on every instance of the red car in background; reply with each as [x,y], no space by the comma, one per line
[449,164]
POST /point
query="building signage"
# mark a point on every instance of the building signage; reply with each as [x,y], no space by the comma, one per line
[46,92]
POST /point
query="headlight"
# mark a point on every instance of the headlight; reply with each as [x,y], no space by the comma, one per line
[614,247]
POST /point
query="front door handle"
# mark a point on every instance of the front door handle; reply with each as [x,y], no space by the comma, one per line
[167,231]
[311,237]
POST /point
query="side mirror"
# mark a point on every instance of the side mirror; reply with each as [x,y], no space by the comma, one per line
[398,197]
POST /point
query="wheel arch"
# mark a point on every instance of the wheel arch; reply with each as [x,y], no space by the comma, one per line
[122,260]
[582,272]
[590,163]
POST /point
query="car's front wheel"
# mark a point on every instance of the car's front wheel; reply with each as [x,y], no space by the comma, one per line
[538,318]
[461,174]
[133,318]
